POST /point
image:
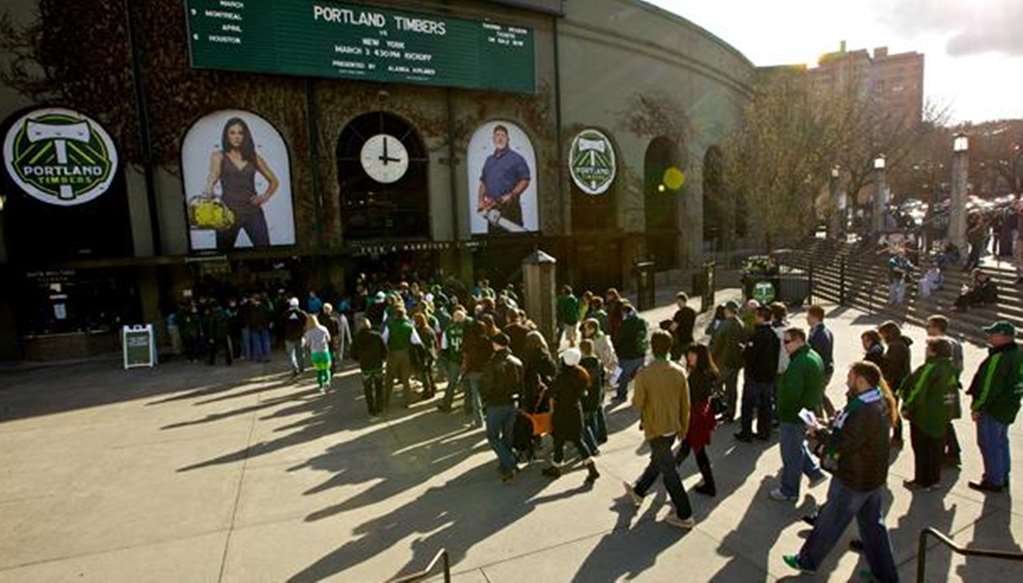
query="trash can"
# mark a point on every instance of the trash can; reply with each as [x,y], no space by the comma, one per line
[645,285]
[703,285]
[760,279]
[794,287]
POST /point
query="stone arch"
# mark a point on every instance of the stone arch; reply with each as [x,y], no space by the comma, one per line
[660,201]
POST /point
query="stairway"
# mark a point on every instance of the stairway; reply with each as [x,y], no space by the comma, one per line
[864,285]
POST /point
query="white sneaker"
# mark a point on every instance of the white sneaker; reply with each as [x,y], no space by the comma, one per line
[685,523]
[635,498]
[778,495]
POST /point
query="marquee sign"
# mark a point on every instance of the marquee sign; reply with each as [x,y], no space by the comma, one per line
[337,40]
[59,156]
[592,162]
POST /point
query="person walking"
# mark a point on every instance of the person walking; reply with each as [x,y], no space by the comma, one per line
[996,389]
[703,377]
[726,348]
[662,400]
[598,313]
[897,365]
[568,390]
[218,334]
[926,403]
[799,388]
[189,322]
[630,346]
[761,356]
[823,342]
[859,442]
[476,352]
[500,386]
[682,326]
[595,430]
[340,334]
[317,338]
[568,317]
[399,334]
[615,305]
[602,347]
[370,350]
[425,353]
[937,327]
[540,368]
[516,330]
[451,358]
[293,324]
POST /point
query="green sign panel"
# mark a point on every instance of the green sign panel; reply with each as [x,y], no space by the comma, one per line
[763,292]
[138,346]
[345,41]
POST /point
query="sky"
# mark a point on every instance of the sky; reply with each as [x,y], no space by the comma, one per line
[973,48]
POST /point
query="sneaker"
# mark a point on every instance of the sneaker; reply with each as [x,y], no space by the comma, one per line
[780,496]
[744,437]
[633,496]
[684,523]
[820,479]
[793,561]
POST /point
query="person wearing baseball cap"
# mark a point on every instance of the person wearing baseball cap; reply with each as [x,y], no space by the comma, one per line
[996,390]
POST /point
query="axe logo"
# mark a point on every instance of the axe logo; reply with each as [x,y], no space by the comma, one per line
[592,162]
[60,156]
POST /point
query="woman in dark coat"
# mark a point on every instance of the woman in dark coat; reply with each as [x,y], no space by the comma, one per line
[703,377]
[896,366]
[872,347]
[538,369]
[567,391]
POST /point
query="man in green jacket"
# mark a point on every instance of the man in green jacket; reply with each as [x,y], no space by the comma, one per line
[928,398]
[400,335]
[568,314]
[996,391]
[801,386]
[726,346]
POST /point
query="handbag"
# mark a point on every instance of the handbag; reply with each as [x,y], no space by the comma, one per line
[542,421]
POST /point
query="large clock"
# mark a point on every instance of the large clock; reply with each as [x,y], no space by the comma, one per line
[384,158]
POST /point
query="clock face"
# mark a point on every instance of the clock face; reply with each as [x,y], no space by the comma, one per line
[384,158]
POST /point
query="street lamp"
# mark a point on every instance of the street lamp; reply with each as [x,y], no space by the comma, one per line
[879,180]
[957,208]
[879,162]
[837,212]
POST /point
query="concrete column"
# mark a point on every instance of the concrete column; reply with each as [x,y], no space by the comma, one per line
[957,209]
[538,274]
[835,227]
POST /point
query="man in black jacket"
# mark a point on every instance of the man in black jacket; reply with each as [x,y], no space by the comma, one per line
[370,350]
[858,444]
[293,322]
[761,359]
[682,326]
[500,386]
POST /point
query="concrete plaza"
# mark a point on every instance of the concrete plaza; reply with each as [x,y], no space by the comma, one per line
[195,473]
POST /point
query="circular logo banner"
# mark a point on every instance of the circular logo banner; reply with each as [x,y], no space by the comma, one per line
[592,162]
[60,156]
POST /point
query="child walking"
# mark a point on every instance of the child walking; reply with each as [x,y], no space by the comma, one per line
[317,338]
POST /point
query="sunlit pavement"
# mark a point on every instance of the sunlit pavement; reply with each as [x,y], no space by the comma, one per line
[196,473]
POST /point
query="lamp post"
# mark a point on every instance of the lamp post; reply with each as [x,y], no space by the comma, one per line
[1017,150]
[877,217]
[837,212]
[957,207]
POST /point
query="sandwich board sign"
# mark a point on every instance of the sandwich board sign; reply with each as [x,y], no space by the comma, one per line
[138,346]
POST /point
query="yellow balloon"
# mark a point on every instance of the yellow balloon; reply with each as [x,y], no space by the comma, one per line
[674,178]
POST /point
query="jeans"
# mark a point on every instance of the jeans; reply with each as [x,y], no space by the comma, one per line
[296,355]
[896,292]
[730,377]
[373,389]
[993,439]
[245,344]
[259,345]
[757,396]
[662,464]
[453,371]
[500,423]
[629,369]
[702,462]
[842,505]
[399,368]
[795,458]
[473,397]
[594,428]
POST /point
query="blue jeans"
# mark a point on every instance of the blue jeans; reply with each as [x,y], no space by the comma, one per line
[842,505]
[795,458]
[993,439]
[453,370]
[500,423]
[259,345]
[662,463]
[594,428]
[629,369]
[757,396]
[296,355]
[473,397]
[246,353]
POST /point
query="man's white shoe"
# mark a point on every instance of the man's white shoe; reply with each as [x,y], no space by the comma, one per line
[635,498]
[685,523]
[778,495]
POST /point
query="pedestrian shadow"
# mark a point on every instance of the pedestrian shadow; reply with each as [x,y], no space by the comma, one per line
[992,531]
[926,509]
[454,516]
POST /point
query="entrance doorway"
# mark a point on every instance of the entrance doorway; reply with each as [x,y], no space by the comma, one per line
[661,192]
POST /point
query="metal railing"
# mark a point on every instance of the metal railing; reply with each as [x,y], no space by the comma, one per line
[921,555]
[440,557]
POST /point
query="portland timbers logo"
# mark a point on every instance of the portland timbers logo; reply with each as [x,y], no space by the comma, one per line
[592,162]
[60,156]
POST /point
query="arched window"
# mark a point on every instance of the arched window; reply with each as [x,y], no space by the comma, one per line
[662,183]
[714,205]
[382,179]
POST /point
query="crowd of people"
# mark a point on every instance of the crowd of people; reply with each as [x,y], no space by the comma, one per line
[521,389]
